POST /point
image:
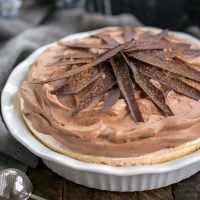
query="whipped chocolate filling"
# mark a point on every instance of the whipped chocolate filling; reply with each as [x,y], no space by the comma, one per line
[111,132]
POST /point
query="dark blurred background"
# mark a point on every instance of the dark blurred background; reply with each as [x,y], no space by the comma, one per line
[181,15]
[172,14]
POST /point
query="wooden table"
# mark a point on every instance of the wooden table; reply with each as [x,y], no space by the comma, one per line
[53,187]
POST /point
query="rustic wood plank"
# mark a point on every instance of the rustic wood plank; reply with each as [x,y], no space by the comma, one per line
[46,183]
[103,195]
[157,194]
[72,191]
[189,189]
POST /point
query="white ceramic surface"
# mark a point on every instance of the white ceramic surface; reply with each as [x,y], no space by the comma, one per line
[136,178]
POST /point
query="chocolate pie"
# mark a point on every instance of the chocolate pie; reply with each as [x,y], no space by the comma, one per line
[123,96]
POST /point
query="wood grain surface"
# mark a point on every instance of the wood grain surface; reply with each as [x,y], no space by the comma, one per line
[53,187]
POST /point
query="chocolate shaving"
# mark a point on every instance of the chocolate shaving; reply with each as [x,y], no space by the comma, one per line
[95,62]
[165,90]
[79,45]
[128,33]
[122,75]
[145,45]
[161,35]
[184,53]
[190,82]
[156,58]
[169,80]
[68,67]
[70,62]
[82,68]
[108,39]
[155,45]
[110,98]
[191,52]
[144,82]
[74,84]
[104,83]
[180,46]
[107,55]
[155,94]
[129,63]
[146,36]
[79,55]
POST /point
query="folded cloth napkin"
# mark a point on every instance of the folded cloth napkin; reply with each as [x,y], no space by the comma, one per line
[33,28]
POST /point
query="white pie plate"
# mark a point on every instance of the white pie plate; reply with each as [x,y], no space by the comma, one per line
[135,178]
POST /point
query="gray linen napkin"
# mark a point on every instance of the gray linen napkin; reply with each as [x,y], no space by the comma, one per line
[33,28]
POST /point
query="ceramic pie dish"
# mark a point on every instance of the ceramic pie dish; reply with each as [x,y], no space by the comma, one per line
[132,178]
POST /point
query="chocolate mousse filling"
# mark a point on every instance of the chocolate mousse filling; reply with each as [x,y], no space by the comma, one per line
[144,67]
[110,97]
